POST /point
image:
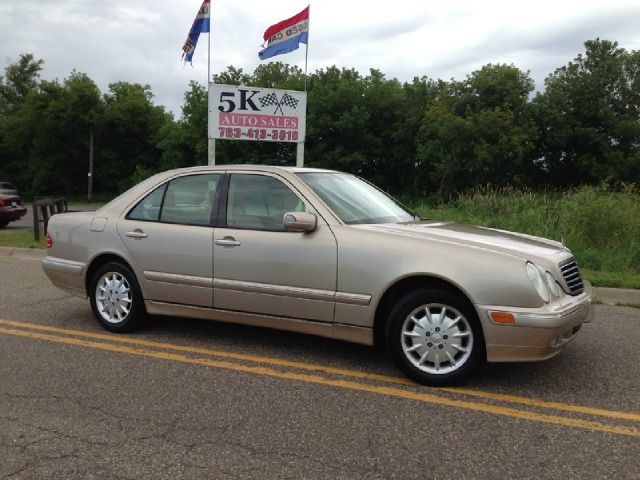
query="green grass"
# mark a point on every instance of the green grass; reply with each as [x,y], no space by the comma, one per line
[21,239]
[601,227]
[98,199]
[612,279]
[625,304]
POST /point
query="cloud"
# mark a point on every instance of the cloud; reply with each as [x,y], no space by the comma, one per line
[140,41]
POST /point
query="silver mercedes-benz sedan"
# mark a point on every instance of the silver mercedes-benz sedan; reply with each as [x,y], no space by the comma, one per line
[323,253]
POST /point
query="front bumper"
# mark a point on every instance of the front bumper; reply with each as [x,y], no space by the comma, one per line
[538,333]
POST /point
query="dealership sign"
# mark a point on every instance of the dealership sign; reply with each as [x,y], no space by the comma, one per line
[254,113]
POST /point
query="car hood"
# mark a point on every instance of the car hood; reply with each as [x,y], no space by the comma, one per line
[518,244]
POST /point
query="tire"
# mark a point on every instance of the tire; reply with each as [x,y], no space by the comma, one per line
[438,349]
[4,223]
[113,287]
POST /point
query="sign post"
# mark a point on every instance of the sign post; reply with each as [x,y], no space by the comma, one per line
[256,113]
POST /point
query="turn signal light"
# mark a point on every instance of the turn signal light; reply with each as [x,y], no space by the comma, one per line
[49,241]
[503,317]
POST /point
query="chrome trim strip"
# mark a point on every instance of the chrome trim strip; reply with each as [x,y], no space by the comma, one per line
[269,289]
[63,266]
[549,316]
[264,288]
[353,298]
[294,292]
[190,280]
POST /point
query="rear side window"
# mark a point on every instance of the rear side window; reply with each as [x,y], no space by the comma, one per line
[149,207]
[185,200]
[190,200]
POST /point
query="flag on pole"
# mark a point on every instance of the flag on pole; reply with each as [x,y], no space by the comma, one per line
[286,36]
[200,25]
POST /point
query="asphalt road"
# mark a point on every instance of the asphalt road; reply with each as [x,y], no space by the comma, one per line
[196,399]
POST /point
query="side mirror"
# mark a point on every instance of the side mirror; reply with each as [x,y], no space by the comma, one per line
[300,222]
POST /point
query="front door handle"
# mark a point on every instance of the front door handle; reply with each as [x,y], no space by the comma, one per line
[137,233]
[227,242]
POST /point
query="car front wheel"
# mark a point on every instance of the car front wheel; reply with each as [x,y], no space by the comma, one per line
[435,337]
[115,298]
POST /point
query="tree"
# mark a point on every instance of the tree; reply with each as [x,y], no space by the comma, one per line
[46,136]
[129,132]
[20,78]
[589,117]
[184,143]
[478,131]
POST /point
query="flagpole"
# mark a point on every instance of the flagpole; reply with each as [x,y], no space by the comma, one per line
[306,52]
[211,143]
[300,145]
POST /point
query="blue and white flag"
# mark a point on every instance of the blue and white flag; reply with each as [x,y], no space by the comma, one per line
[200,25]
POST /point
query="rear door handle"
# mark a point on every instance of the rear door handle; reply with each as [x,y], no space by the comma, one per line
[227,242]
[136,234]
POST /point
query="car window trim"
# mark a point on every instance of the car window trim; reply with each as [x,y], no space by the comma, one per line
[221,214]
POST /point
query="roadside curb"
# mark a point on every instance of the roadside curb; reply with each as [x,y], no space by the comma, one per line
[617,296]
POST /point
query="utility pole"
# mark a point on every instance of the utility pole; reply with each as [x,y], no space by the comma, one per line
[90,191]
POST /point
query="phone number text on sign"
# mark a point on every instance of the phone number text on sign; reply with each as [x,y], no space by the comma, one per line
[258,134]
[253,113]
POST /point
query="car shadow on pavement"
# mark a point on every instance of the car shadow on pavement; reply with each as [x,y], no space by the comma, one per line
[338,354]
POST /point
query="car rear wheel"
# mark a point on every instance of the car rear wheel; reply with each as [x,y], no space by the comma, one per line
[115,298]
[435,337]
[4,223]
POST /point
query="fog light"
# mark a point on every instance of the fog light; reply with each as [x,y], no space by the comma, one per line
[503,317]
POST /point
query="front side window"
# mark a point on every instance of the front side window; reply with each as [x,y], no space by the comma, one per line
[259,202]
[354,200]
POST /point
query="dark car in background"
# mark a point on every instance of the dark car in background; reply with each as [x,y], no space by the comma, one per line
[7,188]
[11,208]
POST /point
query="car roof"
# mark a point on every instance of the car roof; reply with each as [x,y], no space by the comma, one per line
[262,168]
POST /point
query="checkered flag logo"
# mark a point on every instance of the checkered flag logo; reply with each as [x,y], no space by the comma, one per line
[271,99]
[289,101]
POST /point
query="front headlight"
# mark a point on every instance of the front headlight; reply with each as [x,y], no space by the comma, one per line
[554,288]
[538,281]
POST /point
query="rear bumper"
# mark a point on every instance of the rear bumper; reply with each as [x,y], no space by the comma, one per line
[538,333]
[66,274]
[12,213]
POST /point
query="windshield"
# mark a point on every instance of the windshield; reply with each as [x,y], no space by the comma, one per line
[355,201]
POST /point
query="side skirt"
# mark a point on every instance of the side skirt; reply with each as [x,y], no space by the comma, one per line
[338,331]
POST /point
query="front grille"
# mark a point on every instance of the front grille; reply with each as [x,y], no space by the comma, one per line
[572,277]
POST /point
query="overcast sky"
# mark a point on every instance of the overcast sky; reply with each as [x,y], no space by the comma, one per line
[141,40]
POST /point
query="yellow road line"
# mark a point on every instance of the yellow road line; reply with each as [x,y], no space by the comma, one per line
[333,370]
[346,384]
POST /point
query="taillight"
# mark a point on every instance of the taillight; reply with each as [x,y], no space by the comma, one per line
[1,203]
[49,241]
